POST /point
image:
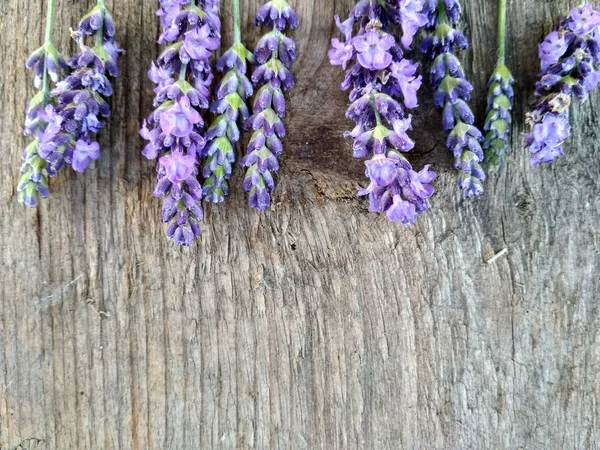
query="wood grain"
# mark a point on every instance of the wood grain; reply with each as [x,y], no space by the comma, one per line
[315,325]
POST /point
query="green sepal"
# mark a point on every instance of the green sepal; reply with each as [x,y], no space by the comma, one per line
[37,99]
[275,64]
[197,10]
[216,122]
[184,86]
[461,129]
[280,5]
[224,145]
[501,126]
[243,53]
[380,132]
[442,30]
[503,74]
[234,100]
[271,116]
[502,102]
[448,83]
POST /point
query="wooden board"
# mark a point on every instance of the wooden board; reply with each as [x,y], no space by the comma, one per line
[315,325]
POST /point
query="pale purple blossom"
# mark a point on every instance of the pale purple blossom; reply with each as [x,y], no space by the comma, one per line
[584,20]
[84,154]
[175,129]
[179,119]
[178,167]
[373,49]
[553,47]
[383,85]
[341,53]
[570,61]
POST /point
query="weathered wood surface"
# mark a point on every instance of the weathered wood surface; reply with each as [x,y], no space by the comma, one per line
[315,325]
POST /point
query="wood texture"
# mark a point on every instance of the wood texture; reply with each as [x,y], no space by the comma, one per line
[314,325]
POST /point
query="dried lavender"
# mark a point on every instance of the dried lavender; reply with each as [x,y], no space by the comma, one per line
[498,122]
[570,57]
[383,85]
[81,98]
[275,54]
[48,65]
[223,135]
[175,129]
[452,91]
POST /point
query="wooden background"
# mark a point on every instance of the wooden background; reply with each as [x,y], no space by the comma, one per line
[315,325]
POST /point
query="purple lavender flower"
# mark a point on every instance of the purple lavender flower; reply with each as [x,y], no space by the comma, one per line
[570,60]
[81,98]
[373,49]
[452,91]
[277,14]
[498,122]
[223,134]
[41,122]
[383,85]
[275,53]
[175,129]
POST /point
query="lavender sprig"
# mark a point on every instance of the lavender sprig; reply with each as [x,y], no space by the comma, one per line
[48,65]
[452,91]
[175,129]
[498,122]
[223,135]
[275,54]
[383,85]
[81,98]
[570,57]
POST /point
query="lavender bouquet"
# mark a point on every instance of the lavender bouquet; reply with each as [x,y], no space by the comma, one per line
[383,85]
[66,119]
[224,133]
[275,54]
[498,121]
[570,57]
[452,91]
[175,129]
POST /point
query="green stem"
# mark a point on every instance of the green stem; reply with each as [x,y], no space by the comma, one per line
[237,22]
[501,31]
[377,114]
[183,72]
[47,41]
[441,11]
[582,3]
[100,33]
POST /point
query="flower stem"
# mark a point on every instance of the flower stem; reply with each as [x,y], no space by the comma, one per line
[441,12]
[582,3]
[47,41]
[183,72]
[237,22]
[501,31]
[100,32]
[376,111]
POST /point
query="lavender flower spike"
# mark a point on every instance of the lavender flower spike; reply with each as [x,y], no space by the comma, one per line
[81,98]
[175,129]
[48,65]
[223,135]
[570,57]
[452,91]
[383,86]
[275,53]
[498,122]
